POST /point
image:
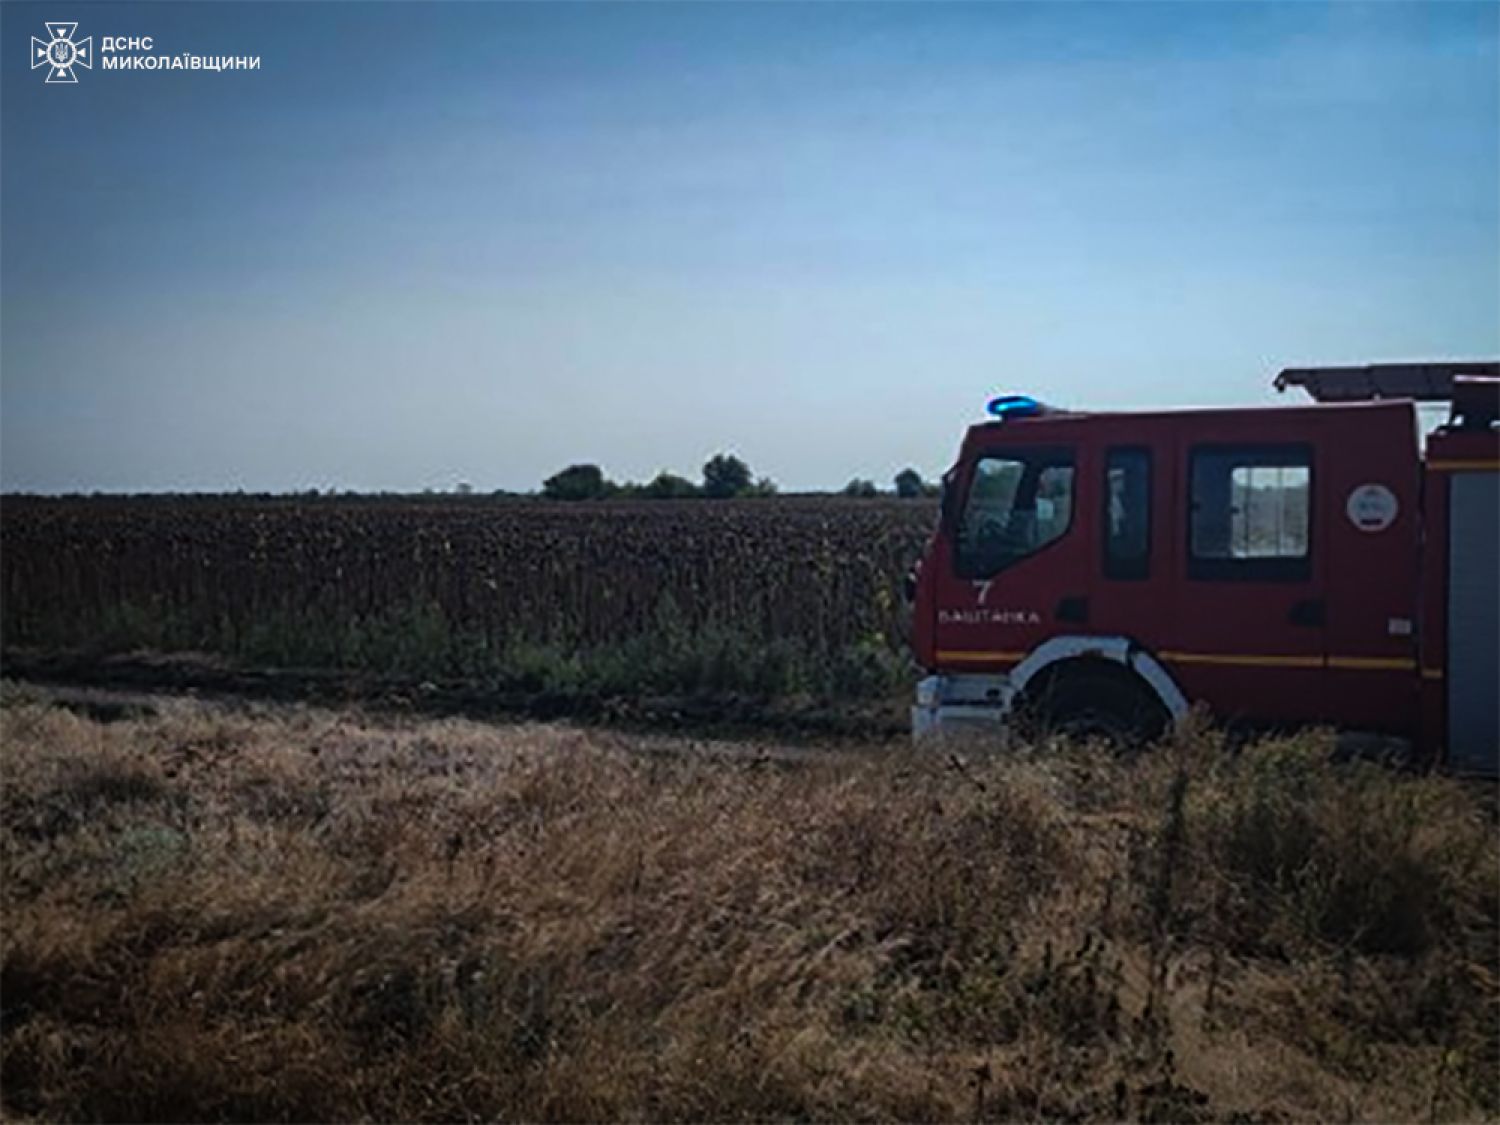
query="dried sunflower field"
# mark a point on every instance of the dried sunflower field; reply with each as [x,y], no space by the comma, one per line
[766,595]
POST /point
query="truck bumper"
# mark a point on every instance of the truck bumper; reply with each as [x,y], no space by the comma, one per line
[947,704]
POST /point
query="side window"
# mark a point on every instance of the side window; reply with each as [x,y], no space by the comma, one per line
[1251,513]
[1017,504]
[1127,513]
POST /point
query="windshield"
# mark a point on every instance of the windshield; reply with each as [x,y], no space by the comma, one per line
[1018,503]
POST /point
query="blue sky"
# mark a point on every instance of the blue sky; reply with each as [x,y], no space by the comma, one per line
[432,243]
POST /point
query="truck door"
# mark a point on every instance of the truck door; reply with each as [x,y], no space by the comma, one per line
[1249,631]
[1136,569]
[1015,567]
[1473,623]
[1371,541]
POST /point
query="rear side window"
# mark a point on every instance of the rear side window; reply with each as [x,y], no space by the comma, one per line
[1251,513]
[1127,513]
[1017,504]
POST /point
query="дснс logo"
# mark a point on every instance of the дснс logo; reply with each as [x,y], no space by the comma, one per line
[61,53]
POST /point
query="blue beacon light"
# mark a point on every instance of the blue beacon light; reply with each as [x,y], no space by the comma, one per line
[1013,406]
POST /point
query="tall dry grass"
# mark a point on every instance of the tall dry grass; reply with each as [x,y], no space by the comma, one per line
[307,915]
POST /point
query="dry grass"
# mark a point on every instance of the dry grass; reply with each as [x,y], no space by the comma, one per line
[305,915]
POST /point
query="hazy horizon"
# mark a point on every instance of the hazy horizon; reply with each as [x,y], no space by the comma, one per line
[430,244]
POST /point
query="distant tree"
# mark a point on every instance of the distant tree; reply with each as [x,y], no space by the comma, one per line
[725,475]
[669,486]
[909,484]
[578,482]
[763,486]
[464,488]
[864,489]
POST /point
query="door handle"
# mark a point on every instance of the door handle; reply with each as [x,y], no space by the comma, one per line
[1309,612]
[1073,608]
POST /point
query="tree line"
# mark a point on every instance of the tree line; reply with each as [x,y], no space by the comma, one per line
[724,477]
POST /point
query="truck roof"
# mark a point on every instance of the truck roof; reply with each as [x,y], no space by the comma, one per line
[1053,415]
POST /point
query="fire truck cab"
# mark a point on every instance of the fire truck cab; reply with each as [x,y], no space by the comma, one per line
[1288,565]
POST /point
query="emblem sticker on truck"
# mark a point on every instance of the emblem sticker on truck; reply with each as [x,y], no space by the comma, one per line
[1372,507]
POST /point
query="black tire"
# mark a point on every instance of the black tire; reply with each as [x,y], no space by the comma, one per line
[1098,704]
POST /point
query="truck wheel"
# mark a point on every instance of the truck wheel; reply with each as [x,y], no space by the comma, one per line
[1101,704]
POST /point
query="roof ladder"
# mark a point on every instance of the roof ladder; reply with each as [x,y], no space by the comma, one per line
[1472,388]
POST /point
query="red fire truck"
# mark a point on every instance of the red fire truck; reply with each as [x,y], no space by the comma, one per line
[1309,564]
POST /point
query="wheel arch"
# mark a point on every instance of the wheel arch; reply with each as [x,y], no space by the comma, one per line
[1058,655]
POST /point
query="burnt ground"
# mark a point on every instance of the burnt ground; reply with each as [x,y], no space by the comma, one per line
[109,687]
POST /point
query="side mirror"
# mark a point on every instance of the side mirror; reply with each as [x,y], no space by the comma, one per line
[948,504]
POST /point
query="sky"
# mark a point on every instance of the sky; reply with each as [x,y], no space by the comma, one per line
[425,244]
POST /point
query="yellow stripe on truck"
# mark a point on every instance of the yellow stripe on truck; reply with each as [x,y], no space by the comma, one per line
[1245,660]
[959,657]
[1342,663]
[1463,466]
[1223,659]
[1373,663]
